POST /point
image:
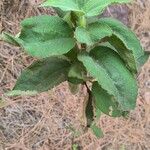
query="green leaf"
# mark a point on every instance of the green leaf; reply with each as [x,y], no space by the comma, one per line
[94,7]
[93,33]
[74,80]
[72,55]
[68,18]
[60,12]
[110,72]
[45,36]
[97,131]
[77,73]
[87,7]
[125,42]
[66,5]
[105,102]
[107,44]
[42,75]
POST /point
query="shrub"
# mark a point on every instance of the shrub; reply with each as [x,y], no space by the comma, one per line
[77,47]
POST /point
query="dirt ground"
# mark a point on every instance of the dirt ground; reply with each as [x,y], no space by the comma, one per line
[52,120]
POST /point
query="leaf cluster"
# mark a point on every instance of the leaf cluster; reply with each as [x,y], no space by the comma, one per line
[77,47]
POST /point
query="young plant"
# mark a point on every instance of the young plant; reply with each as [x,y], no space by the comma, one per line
[77,47]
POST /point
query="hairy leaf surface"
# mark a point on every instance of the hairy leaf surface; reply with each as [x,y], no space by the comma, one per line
[93,33]
[110,72]
[87,7]
[43,75]
[45,36]
[125,42]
